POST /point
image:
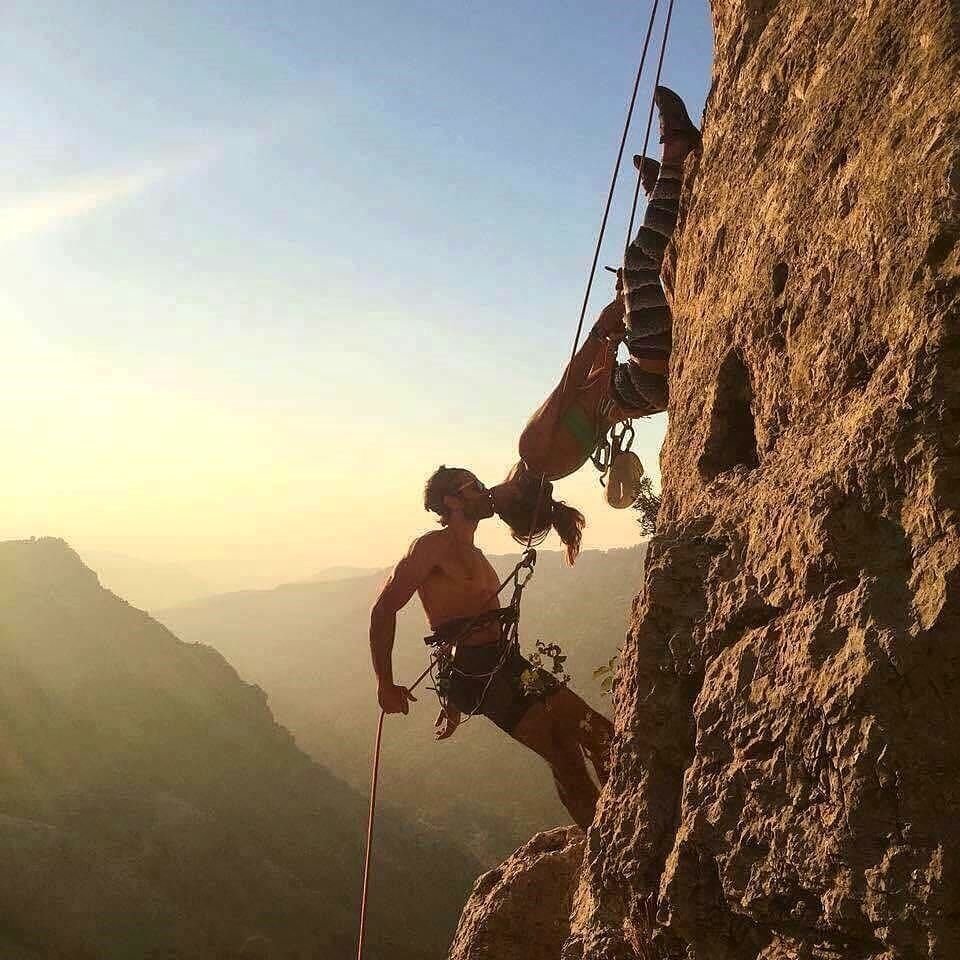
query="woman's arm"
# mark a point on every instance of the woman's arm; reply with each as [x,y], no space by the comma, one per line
[597,353]
[597,350]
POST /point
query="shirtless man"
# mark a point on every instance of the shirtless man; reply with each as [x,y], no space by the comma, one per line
[456,583]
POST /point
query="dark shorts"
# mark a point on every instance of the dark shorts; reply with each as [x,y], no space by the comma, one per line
[502,697]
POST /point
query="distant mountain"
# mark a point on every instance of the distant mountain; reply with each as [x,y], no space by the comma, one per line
[151,806]
[145,584]
[306,645]
[341,572]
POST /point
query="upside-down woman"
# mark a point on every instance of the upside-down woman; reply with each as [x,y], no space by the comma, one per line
[596,391]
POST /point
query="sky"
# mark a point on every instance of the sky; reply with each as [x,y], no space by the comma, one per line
[267,265]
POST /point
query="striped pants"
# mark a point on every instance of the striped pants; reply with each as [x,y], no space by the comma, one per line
[647,319]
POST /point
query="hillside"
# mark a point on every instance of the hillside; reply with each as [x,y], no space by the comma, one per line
[306,645]
[150,805]
[149,586]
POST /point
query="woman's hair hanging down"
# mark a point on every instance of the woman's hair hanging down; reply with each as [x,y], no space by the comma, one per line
[535,511]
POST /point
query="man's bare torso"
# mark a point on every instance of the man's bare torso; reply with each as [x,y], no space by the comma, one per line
[462,583]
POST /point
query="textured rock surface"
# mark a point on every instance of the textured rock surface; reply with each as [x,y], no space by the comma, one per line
[520,911]
[786,778]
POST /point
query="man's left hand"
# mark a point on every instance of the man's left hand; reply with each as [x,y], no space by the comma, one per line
[448,719]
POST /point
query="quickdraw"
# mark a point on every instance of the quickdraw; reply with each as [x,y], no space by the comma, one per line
[618,439]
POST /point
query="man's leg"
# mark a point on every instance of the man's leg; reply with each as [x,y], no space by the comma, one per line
[539,731]
[641,383]
[575,720]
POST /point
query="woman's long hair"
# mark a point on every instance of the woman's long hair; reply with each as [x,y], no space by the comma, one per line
[533,510]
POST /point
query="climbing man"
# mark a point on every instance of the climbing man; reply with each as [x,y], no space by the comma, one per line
[595,391]
[458,589]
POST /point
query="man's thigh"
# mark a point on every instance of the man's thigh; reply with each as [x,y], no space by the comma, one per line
[535,730]
[567,711]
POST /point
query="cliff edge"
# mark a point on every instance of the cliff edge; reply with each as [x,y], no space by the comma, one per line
[786,771]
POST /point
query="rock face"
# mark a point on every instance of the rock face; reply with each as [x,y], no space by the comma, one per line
[521,910]
[786,771]
[787,774]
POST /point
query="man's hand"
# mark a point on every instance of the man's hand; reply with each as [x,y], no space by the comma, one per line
[394,699]
[447,722]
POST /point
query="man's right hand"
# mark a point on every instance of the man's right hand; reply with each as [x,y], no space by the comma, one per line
[394,699]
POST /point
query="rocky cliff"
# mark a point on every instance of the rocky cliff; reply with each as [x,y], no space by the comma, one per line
[785,778]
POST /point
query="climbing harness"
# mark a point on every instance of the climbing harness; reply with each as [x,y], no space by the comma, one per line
[443,668]
[528,559]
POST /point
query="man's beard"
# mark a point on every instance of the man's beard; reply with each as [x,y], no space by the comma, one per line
[479,509]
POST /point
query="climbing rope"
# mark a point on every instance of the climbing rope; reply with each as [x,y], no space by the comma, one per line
[646,136]
[608,445]
[599,244]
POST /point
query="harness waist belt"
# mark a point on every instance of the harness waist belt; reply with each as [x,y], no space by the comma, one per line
[462,627]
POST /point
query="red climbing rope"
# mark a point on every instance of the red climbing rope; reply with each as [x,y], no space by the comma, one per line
[366,860]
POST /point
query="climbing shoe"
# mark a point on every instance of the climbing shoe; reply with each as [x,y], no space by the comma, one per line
[649,171]
[675,124]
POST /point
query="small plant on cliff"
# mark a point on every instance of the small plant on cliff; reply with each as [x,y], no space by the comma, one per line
[647,504]
[543,679]
[606,673]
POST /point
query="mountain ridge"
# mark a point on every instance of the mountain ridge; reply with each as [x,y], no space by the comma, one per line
[151,802]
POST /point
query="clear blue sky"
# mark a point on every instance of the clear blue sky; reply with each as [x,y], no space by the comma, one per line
[268,264]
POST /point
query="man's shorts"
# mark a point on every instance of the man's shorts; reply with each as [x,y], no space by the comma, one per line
[500,697]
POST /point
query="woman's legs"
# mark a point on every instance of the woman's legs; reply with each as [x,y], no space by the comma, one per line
[641,383]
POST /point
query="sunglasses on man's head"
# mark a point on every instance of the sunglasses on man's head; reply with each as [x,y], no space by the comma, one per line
[472,482]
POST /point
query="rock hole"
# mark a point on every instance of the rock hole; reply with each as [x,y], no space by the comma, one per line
[780,273]
[861,368]
[858,371]
[732,438]
[840,160]
[940,247]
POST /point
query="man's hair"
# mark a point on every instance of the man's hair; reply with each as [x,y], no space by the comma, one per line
[441,483]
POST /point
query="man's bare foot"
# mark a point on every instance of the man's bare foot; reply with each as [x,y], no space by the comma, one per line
[649,171]
[677,133]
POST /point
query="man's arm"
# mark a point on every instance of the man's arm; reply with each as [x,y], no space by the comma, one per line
[407,576]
